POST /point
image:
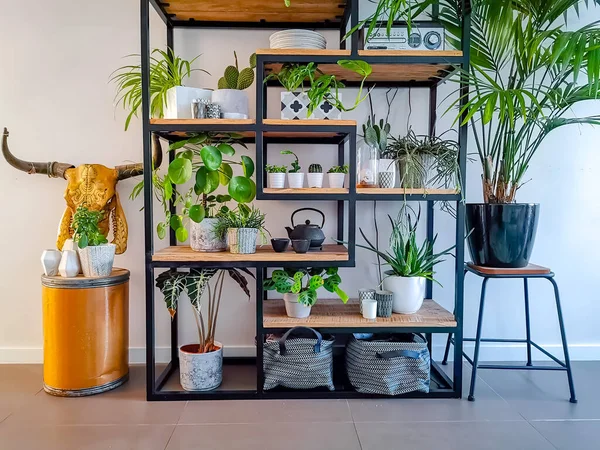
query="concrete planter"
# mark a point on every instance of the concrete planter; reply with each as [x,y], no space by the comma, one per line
[200,371]
[231,101]
[179,101]
[97,260]
[409,293]
[203,238]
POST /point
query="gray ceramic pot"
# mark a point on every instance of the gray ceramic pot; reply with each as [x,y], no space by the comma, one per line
[200,371]
[203,238]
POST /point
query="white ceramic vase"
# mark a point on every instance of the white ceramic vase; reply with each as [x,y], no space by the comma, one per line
[200,371]
[231,101]
[336,180]
[295,309]
[97,260]
[409,293]
[69,264]
[179,101]
[276,180]
[203,238]
[296,180]
[314,180]
[50,262]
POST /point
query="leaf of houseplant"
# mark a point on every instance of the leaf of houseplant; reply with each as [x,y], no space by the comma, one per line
[307,298]
[225,174]
[171,285]
[240,280]
[212,182]
[161,230]
[176,222]
[226,149]
[197,213]
[248,166]
[242,189]
[181,234]
[180,170]
[201,176]
[211,157]
[196,282]
[362,68]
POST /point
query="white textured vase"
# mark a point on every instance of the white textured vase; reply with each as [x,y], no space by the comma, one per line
[295,309]
[203,237]
[296,180]
[179,101]
[50,262]
[231,101]
[387,166]
[276,180]
[409,293]
[336,180]
[200,371]
[242,240]
[69,264]
[314,180]
[97,260]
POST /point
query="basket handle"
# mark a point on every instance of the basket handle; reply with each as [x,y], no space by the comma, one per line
[398,354]
[283,350]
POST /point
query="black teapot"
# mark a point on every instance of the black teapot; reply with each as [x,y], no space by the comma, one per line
[313,233]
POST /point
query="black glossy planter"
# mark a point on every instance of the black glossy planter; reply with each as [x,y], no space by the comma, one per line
[502,235]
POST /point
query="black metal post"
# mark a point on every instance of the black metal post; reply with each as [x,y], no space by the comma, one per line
[477,340]
[260,296]
[340,203]
[354,45]
[527,320]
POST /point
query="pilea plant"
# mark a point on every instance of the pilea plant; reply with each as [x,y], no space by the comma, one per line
[305,283]
[275,169]
[315,168]
[295,164]
[339,169]
[86,228]
[234,78]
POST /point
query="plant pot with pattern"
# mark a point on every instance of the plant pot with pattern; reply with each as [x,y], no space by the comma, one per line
[295,177]
[95,253]
[276,176]
[336,176]
[230,95]
[242,226]
[314,177]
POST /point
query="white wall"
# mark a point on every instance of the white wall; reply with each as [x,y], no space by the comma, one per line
[57,104]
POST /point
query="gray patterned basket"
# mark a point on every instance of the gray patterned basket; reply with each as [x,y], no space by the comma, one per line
[299,362]
[388,366]
[386,180]
[385,302]
[242,240]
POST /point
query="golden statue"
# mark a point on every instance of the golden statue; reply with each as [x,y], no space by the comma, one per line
[92,185]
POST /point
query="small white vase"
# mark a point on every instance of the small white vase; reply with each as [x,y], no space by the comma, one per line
[203,238]
[200,371]
[69,264]
[50,262]
[276,180]
[70,245]
[231,101]
[179,101]
[296,180]
[409,293]
[314,180]
[336,180]
[97,260]
[295,309]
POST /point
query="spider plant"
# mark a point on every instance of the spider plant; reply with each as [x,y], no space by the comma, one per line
[167,70]
[527,72]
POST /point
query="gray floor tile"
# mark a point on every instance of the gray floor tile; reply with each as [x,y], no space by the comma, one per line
[21,378]
[451,436]
[288,436]
[571,435]
[265,411]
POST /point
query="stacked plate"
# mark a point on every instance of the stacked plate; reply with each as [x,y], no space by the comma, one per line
[297,39]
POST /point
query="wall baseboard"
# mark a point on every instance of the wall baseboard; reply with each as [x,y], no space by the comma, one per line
[489,352]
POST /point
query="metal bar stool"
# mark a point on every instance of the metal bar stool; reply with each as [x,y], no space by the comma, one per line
[531,271]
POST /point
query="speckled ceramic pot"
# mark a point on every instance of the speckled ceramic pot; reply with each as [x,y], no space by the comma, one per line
[203,238]
[200,371]
[97,260]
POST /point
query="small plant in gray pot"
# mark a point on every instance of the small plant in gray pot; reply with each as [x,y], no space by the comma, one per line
[336,176]
[242,226]
[276,176]
[295,177]
[315,176]
[96,254]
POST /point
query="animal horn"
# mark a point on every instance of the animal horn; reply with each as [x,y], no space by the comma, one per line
[52,169]
[133,170]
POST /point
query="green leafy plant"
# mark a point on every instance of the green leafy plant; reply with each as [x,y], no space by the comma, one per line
[234,78]
[392,11]
[86,227]
[167,70]
[376,135]
[527,71]
[275,169]
[339,169]
[305,283]
[315,168]
[241,217]
[295,164]
[195,282]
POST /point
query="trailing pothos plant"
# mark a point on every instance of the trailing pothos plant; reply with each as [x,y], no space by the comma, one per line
[172,284]
[305,283]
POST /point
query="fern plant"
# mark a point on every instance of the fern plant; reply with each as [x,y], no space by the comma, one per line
[234,78]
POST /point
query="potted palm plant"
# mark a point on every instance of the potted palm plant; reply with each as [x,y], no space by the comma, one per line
[299,288]
[96,254]
[527,72]
[242,226]
[230,95]
[200,365]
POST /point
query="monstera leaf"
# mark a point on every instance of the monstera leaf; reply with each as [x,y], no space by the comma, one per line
[171,284]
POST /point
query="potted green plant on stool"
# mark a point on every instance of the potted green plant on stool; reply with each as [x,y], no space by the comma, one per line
[96,254]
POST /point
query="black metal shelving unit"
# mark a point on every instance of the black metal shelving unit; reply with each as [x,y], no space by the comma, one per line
[248,371]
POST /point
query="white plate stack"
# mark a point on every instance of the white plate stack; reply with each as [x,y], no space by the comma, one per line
[298,39]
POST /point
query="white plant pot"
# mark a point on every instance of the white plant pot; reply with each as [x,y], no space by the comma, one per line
[69,266]
[295,309]
[97,260]
[231,101]
[203,238]
[296,180]
[50,262]
[200,371]
[294,106]
[179,101]
[409,293]
[336,180]
[314,180]
[276,180]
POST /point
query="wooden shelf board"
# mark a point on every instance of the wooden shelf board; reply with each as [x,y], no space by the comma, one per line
[306,191]
[202,121]
[330,252]
[334,314]
[309,11]
[312,123]
[442,53]
[404,191]
[302,52]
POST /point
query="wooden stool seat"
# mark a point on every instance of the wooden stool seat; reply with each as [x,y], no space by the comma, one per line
[531,269]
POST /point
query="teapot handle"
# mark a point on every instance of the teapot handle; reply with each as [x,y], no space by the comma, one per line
[308,209]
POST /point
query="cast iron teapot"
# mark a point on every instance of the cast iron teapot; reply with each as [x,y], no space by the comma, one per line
[312,232]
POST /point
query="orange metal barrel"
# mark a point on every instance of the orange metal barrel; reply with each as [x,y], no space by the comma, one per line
[86,333]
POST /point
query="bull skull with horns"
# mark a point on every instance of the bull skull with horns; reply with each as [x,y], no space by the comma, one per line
[89,185]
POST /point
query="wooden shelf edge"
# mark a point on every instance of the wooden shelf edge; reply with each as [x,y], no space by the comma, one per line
[449,53]
[305,191]
[302,51]
[202,121]
[403,191]
[308,122]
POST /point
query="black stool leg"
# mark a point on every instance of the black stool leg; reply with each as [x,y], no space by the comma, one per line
[447,351]
[527,321]
[564,341]
[478,340]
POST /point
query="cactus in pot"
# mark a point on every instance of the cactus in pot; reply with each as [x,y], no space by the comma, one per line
[315,176]
[229,95]
[376,136]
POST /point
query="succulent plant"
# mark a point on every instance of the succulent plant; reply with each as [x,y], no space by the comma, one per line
[376,135]
[234,78]
[315,168]
[295,164]
[339,169]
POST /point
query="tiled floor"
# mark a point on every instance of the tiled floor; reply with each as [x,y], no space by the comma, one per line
[513,410]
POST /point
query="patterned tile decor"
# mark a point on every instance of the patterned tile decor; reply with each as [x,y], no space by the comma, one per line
[294,106]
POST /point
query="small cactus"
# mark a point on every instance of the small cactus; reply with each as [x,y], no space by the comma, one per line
[315,168]
[376,135]
[233,78]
